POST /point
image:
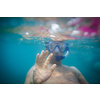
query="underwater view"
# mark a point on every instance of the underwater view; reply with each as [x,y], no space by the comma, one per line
[21,39]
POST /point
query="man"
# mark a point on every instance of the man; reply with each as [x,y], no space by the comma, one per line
[51,70]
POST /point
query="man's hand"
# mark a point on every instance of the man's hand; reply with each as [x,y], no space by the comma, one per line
[41,70]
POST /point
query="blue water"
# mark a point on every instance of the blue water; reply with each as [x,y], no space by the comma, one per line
[16,58]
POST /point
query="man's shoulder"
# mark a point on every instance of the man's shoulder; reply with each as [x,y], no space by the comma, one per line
[29,75]
[72,68]
[30,71]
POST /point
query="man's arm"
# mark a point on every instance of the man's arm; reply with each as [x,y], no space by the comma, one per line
[80,77]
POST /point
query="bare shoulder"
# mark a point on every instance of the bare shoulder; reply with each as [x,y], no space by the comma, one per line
[29,75]
[31,70]
[75,69]
[72,68]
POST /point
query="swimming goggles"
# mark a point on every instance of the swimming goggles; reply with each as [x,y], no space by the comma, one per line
[62,46]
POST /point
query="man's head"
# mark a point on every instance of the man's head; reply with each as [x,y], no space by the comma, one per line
[58,48]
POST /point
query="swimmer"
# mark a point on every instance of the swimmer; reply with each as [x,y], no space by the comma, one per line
[50,70]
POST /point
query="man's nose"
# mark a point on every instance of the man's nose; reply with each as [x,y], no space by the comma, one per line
[56,50]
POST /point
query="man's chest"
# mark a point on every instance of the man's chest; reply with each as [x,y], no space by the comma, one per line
[67,77]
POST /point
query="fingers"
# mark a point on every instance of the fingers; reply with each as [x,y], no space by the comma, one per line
[45,55]
[42,52]
[40,59]
[41,62]
[37,58]
[53,68]
[48,60]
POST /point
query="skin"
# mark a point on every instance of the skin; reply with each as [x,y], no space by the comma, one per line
[49,71]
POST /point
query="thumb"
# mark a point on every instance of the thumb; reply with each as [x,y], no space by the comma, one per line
[53,67]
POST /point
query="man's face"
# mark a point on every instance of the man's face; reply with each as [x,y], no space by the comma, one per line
[56,48]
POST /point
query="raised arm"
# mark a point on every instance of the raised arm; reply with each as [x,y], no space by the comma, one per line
[40,72]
